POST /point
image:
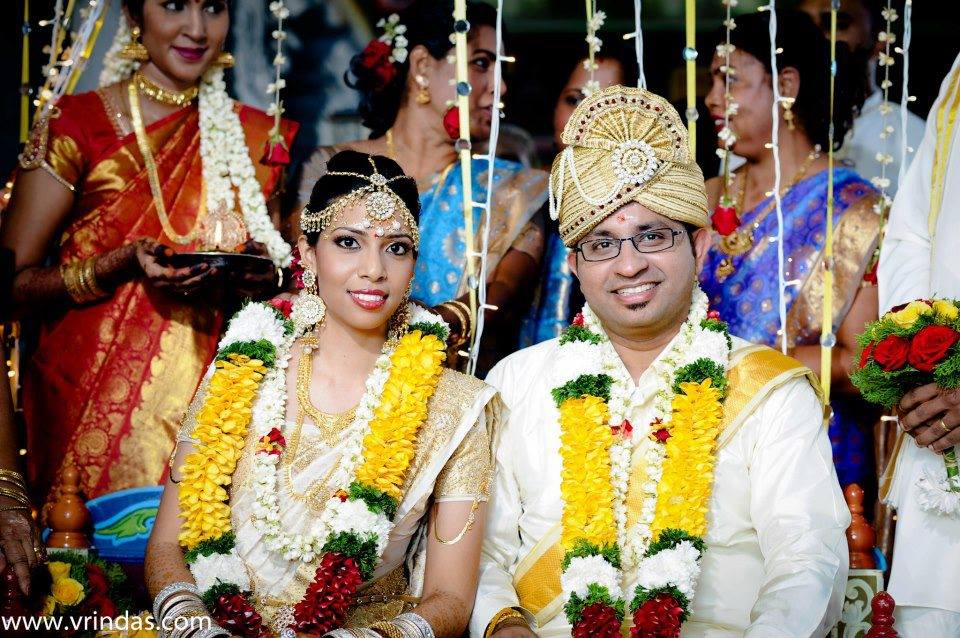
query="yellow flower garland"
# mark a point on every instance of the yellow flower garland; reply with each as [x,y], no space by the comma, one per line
[390,445]
[220,431]
[585,440]
[683,494]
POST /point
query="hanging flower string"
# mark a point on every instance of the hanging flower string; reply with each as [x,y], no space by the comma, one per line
[884,157]
[595,20]
[726,216]
[275,152]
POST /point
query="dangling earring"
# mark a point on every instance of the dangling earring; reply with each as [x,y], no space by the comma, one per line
[225,60]
[423,95]
[788,111]
[134,50]
[309,309]
[398,322]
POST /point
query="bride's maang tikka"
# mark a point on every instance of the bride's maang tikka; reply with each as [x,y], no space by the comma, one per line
[384,211]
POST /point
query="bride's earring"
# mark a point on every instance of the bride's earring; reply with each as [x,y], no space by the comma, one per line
[400,318]
[308,309]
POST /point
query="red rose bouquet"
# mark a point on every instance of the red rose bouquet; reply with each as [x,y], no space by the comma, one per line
[910,346]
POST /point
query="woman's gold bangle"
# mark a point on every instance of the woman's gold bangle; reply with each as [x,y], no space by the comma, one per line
[71,281]
[90,279]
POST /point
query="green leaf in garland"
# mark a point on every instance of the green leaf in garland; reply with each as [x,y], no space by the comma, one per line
[376,500]
[430,328]
[362,550]
[210,596]
[670,538]
[717,325]
[261,349]
[220,545]
[699,371]
[585,549]
[597,385]
[642,595]
[579,333]
[595,594]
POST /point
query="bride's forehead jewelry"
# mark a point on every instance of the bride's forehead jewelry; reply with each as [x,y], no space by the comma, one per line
[384,211]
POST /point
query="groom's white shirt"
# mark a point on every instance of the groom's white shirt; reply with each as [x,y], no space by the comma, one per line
[776,563]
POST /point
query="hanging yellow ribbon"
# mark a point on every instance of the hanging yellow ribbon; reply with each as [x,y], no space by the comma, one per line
[689,54]
[826,346]
[25,75]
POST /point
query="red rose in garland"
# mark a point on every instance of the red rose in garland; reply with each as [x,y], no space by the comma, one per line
[324,606]
[891,353]
[930,346]
[376,57]
[101,604]
[597,621]
[724,218]
[96,579]
[865,355]
[659,617]
[234,613]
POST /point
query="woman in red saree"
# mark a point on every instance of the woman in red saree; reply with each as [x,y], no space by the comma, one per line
[126,335]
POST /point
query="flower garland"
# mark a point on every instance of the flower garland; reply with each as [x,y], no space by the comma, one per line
[595,20]
[248,390]
[228,171]
[595,398]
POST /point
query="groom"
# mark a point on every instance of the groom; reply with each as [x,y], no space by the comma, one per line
[654,470]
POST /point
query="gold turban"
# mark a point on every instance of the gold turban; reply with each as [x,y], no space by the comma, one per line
[624,145]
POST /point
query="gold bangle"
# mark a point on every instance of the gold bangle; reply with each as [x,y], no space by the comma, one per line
[505,615]
[16,495]
[462,312]
[89,277]
[71,281]
[14,508]
[20,485]
[388,629]
[13,477]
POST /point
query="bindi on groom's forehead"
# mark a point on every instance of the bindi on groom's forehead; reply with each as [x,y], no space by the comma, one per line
[630,219]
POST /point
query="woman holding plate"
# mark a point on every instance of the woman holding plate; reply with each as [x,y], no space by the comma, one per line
[112,185]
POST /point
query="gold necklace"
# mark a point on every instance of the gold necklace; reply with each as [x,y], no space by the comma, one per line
[153,175]
[164,96]
[741,241]
[329,425]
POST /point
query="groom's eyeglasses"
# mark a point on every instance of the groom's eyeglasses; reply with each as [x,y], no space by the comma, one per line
[654,240]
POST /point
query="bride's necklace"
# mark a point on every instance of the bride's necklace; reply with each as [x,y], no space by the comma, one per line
[741,241]
[164,96]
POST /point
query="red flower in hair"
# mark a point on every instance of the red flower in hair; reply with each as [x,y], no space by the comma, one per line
[376,58]
[451,122]
[578,320]
[659,617]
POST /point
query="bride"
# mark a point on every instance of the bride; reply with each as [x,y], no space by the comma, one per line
[331,475]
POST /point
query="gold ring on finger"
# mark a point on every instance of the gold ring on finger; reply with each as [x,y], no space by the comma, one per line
[943,426]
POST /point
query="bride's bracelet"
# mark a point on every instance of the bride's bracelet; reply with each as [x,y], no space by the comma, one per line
[169,591]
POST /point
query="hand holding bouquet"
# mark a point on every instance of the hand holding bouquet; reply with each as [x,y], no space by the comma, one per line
[911,346]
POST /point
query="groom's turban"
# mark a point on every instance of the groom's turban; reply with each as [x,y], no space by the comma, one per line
[624,145]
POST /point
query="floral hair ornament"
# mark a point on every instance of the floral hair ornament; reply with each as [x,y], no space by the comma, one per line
[384,210]
[381,56]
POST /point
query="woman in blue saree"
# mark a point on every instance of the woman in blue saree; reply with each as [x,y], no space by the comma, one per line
[740,274]
[406,82]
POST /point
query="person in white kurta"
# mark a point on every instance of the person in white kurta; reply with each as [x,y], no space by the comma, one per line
[776,560]
[918,260]
[776,557]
